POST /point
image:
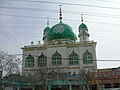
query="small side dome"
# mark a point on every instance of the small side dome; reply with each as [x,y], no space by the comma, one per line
[46,29]
[45,33]
[61,31]
[83,27]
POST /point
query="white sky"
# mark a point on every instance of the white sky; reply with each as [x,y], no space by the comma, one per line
[22,22]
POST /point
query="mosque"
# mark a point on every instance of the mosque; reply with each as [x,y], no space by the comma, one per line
[60,52]
[62,63]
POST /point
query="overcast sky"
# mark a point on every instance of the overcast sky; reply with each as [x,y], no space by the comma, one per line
[23,21]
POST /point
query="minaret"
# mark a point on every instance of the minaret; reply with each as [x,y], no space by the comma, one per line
[46,30]
[83,31]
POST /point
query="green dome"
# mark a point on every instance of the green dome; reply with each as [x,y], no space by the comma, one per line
[61,31]
[45,32]
[82,27]
[46,29]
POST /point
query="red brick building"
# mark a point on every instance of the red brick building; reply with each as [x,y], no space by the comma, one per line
[104,79]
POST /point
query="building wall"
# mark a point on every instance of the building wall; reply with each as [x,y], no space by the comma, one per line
[91,49]
[105,79]
[65,51]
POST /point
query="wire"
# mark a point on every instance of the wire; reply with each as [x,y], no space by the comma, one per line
[9,35]
[109,1]
[24,16]
[27,35]
[55,19]
[75,4]
[67,12]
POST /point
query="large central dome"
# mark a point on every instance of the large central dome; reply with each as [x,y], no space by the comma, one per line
[61,31]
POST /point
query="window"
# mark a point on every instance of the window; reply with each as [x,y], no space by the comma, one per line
[116,85]
[29,61]
[56,59]
[73,59]
[108,85]
[42,60]
[87,58]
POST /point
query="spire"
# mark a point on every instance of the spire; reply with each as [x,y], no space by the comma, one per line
[81,17]
[60,13]
[47,21]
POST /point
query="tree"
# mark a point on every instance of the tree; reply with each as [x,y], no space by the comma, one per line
[9,64]
[45,74]
[83,78]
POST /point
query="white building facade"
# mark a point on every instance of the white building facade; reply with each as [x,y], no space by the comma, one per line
[72,57]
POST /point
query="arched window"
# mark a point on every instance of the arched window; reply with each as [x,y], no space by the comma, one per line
[56,59]
[42,60]
[73,59]
[29,61]
[87,58]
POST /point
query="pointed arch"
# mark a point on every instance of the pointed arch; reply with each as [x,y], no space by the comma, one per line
[87,57]
[42,60]
[56,58]
[29,61]
[73,58]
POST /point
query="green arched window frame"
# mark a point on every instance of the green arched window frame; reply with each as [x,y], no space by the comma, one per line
[56,59]
[42,60]
[87,58]
[73,58]
[29,61]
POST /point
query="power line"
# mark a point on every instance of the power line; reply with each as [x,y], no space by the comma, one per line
[67,12]
[24,16]
[22,21]
[24,35]
[75,4]
[9,35]
[55,19]
[29,9]
[109,1]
